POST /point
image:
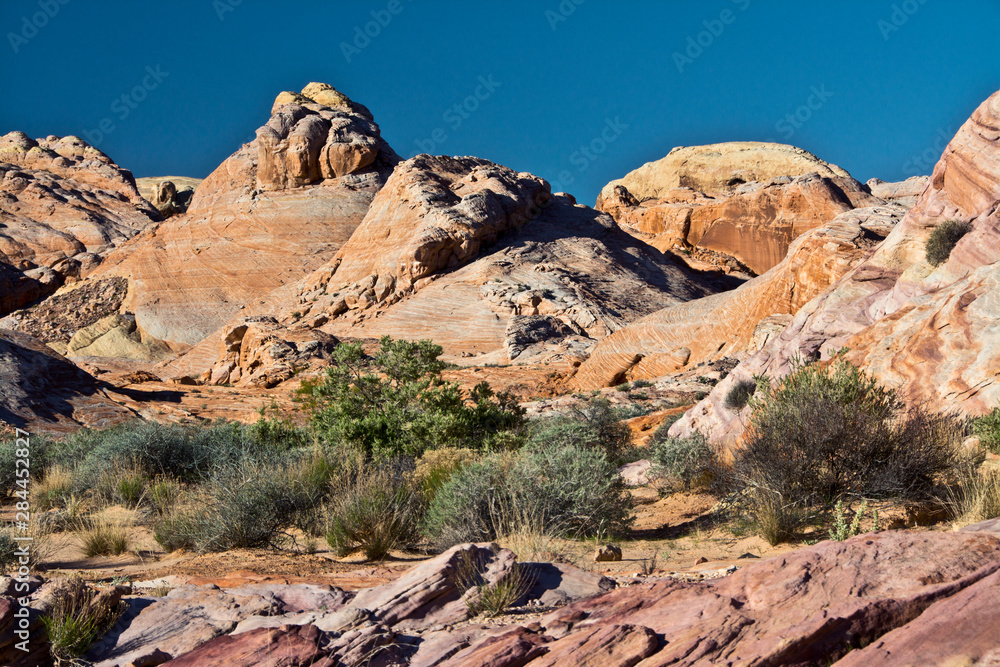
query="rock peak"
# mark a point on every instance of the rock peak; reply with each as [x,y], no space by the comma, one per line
[319,93]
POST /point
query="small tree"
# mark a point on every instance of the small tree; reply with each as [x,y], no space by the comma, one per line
[396,403]
[943,239]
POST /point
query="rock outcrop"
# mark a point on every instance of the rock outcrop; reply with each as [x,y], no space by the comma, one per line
[927,331]
[170,195]
[63,206]
[41,391]
[278,208]
[904,193]
[719,169]
[727,324]
[754,222]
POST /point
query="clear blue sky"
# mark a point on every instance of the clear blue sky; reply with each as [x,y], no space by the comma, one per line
[887,79]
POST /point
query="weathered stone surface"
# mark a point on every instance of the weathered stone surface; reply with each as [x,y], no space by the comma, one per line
[265,218]
[63,206]
[963,629]
[904,193]
[42,391]
[808,607]
[754,223]
[724,324]
[190,616]
[288,646]
[929,332]
[636,473]
[257,352]
[720,168]
[170,195]
[116,336]
[74,307]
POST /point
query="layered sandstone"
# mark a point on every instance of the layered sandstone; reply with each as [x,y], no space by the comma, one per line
[64,206]
[277,209]
[754,222]
[905,193]
[725,324]
[927,331]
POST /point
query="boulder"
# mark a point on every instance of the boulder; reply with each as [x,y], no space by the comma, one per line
[904,193]
[170,195]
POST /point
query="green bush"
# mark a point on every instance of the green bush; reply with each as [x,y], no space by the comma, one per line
[740,393]
[681,463]
[943,239]
[378,513]
[563,489]
[987,427]
[826,433]
[595,424]
[437,466]
[397,404]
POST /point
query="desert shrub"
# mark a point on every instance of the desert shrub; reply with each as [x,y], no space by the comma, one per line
[943,239]
[490,598]
[54,489]
[397,404]
[680,463]
[379,512]
[7,547]
[437,466]
[842,530]
[560,489]
[471,505]
[163,494]
[104,537]
[247,505]
[739,394]
[38,456]
[987,427]
[595,424]
[975,496]
[78,618]
[825,433]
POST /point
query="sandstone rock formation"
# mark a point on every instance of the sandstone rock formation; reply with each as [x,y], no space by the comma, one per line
[277,209]
[927,331]
[719,169]
[63,206]
[905,193]
[170,195]
[754,222]
[41,391]
[725,324]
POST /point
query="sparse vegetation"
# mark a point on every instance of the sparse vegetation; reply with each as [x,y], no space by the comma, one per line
[987,427]
[104,537]
[681,463]
[486,598]
[943,239]
[79,617]
[739,395]
[594,424]
[826,433]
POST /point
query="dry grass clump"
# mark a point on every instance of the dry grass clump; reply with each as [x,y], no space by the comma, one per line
[78,617]
[105,536]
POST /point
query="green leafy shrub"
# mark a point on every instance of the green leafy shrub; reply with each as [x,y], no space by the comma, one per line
[378,513]
[943,239]
[987,427]
[739,394]
[681,463]
[397,404]
[595,424]
[826,433]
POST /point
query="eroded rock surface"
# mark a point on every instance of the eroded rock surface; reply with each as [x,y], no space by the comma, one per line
[726,324]
[64,206]
[277,209]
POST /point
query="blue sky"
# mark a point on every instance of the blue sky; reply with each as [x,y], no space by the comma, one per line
[578,91]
